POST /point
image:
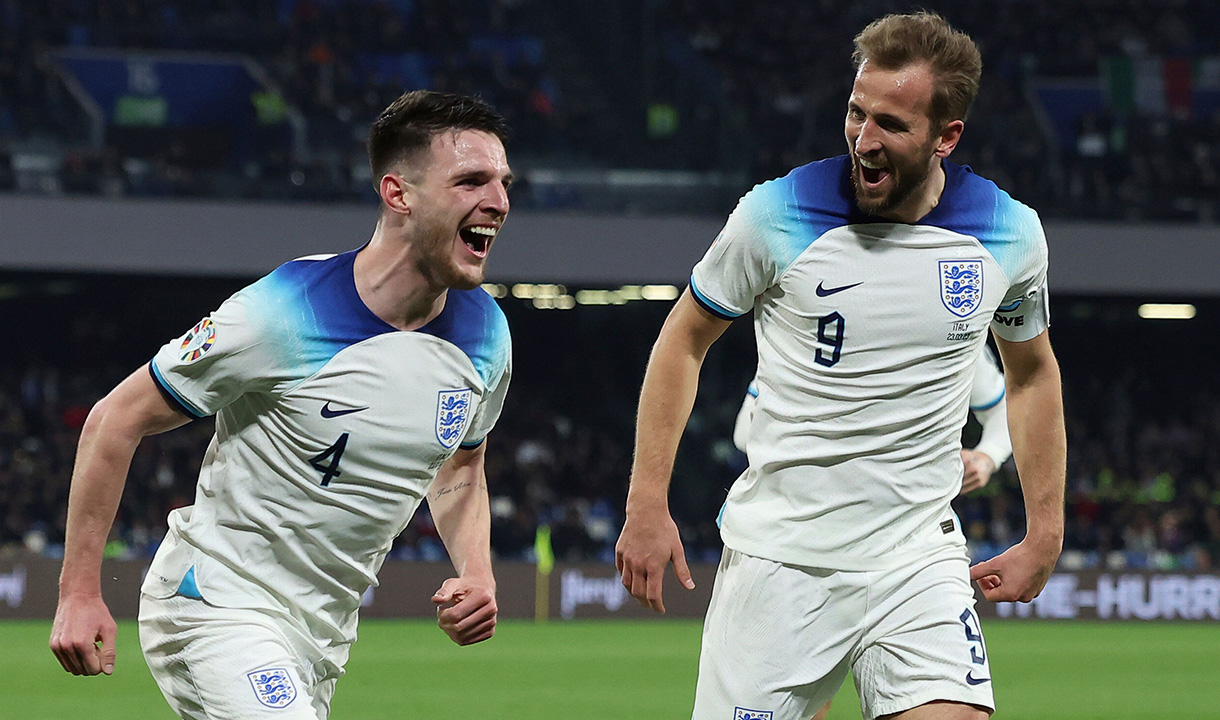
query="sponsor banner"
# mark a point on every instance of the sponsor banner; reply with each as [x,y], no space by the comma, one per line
[591,590]
[29,586]
[29,589]
[1121,595]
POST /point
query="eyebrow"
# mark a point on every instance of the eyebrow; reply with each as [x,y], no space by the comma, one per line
[507,179]
[853,105]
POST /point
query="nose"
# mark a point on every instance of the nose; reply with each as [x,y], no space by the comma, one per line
[869,139]
[496,199]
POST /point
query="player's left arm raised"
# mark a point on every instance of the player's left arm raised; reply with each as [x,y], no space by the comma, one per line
[1035,420]
[466,604]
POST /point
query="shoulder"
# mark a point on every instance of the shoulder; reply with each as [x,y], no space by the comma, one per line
[817,193]
[306,274]
[1009,229]
[474,322]
[789,213]
[976,206]
[311,307]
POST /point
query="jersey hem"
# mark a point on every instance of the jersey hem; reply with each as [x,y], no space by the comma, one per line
[946,690]
[988,406]
[832,561]
[710,305]
[176,401]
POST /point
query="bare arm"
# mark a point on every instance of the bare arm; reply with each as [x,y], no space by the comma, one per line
[466,605]
[115,426]
[649,540]
[1039,442]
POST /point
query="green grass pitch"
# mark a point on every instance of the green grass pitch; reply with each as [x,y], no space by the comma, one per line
[621,670]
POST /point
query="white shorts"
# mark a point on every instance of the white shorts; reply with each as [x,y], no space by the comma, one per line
[778,639]
[215,663]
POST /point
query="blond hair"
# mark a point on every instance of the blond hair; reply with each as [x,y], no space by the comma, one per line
[896,41]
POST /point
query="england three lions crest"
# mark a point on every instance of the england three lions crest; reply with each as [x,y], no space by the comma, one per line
[452,414]
[273,686]
[961,286]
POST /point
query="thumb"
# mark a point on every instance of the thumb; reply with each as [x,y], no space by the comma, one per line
[445,593]
[681,569]
[983,569]
[108,649]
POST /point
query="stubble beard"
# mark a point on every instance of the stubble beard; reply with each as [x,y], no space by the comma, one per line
[906,181]
[436,260]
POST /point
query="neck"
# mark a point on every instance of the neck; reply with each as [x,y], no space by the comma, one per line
[391,284]
[924,199]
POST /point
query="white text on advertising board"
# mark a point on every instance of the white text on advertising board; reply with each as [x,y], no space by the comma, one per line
[1124,597]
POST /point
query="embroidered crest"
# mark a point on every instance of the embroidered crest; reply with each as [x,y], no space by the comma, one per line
[961,285]
[197,342]
[741,713]
[452,413]
[273,686]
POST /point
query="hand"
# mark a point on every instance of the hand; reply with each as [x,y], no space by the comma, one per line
[646,545]
[81,623]
[1019,573]
[466,609]
[978,471]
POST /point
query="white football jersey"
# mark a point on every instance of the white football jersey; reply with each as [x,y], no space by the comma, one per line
[330,426]
[868,331]
[986,391]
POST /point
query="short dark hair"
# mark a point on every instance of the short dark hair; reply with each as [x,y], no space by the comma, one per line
[408,125]
[896,41]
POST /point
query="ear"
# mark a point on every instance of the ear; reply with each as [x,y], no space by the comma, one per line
[949,136]
[396,193]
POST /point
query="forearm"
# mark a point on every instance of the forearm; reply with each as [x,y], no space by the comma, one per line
[462,513]
[1035,418]
[115,426]
[102,462]
[994,442]
[668,395]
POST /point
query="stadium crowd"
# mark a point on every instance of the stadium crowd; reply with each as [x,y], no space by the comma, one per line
[332,63]
[1144,444]
[1141,160]
[1144,462]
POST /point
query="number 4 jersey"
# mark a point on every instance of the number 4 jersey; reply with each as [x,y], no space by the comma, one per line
[867,333]
[330,426]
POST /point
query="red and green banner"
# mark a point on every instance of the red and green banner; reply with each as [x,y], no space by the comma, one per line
[1156,85]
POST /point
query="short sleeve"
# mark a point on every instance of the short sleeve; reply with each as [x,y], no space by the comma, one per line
[214,362]
[1024,314]
[987,389]
[740,265]
[489,410]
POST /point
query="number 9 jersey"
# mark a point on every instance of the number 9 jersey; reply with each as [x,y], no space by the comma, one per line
[330,426]
[867,332]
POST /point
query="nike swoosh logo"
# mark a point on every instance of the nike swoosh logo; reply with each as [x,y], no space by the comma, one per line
[328,413]
[827,292]
[972,680]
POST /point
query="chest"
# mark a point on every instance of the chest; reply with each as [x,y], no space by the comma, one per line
[390,408]
[866,289]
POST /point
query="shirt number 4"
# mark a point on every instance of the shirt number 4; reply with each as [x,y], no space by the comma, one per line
[327,461]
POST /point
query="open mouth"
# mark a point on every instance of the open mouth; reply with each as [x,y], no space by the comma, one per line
[478,238]
[872,173]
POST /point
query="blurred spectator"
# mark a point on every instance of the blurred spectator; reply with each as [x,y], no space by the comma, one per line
[1144,447]
[332,65]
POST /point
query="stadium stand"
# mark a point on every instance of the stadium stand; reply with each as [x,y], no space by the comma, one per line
[1081,118]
